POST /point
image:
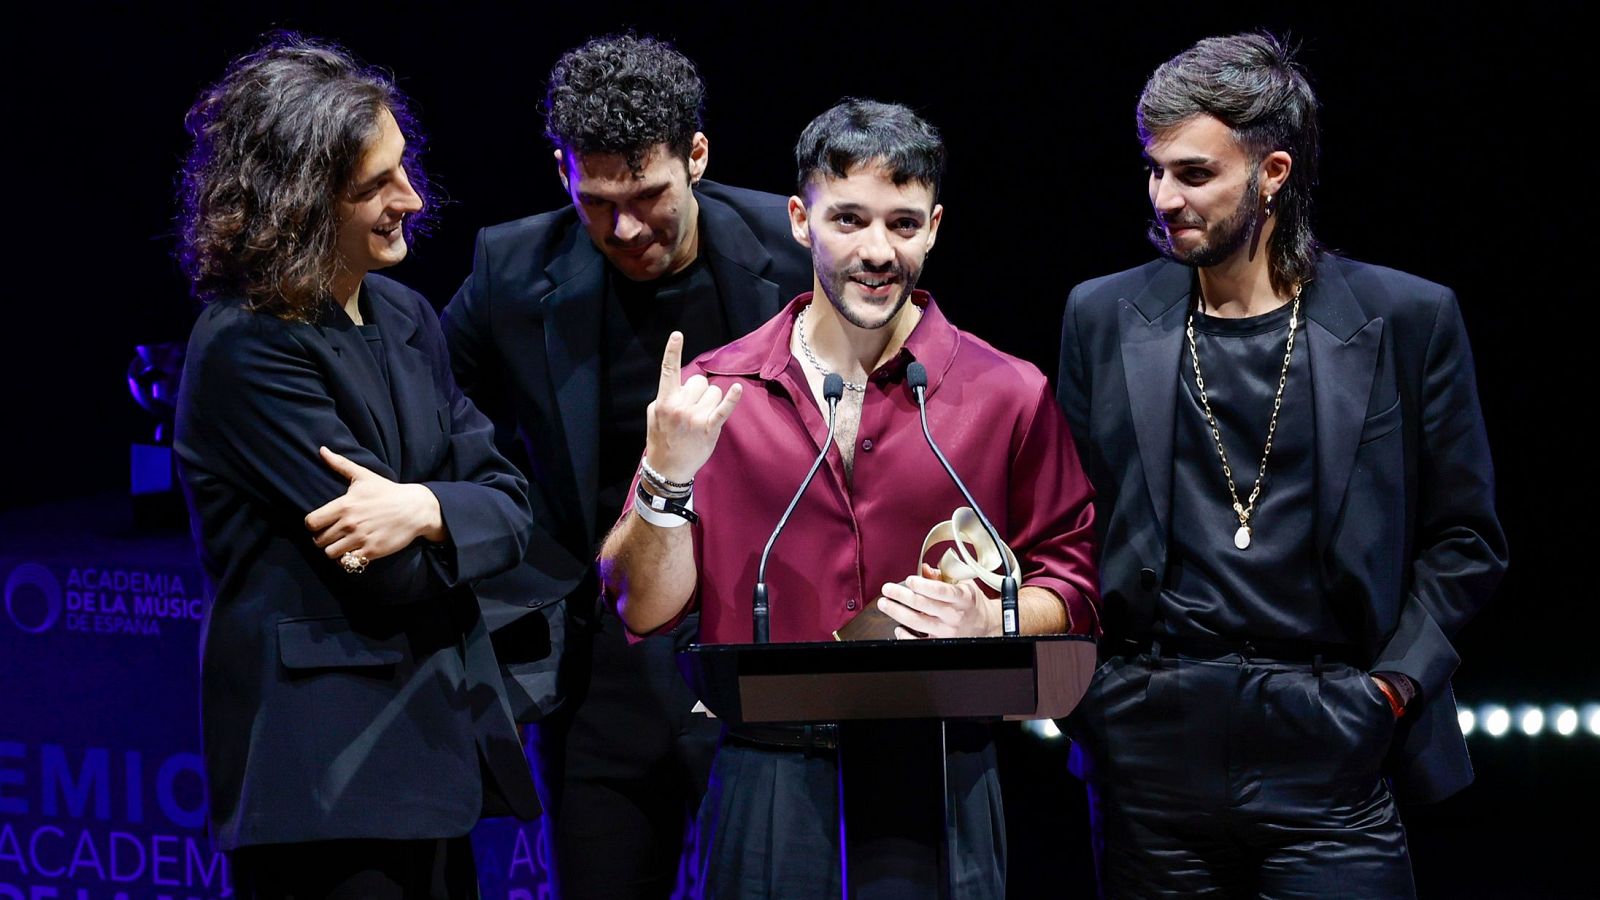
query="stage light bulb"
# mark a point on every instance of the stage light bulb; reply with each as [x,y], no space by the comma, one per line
[1531,720]
[1565,719]
[1591,718]
[1466,720]
[1496,720]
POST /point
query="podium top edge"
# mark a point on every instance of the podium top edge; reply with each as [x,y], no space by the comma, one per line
[920,643]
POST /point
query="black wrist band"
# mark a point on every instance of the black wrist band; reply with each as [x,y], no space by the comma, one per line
[672,505]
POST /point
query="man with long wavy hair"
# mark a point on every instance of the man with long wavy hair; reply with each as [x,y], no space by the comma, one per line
[344,497]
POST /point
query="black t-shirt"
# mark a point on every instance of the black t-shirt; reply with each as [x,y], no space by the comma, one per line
[637,319]
[373,337]
[1270,590]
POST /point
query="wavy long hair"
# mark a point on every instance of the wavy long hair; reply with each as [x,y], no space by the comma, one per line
[276,142]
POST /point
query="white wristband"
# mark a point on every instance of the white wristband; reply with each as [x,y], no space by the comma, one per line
[658,518]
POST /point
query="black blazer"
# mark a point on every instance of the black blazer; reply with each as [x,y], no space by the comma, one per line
[1405,522]
[336,705]
[524,333]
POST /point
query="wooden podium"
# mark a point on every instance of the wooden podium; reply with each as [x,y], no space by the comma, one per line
[903,691]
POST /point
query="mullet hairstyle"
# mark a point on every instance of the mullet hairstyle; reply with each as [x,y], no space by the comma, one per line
[855,131]
[1252,84]
[276,142]
[624,94]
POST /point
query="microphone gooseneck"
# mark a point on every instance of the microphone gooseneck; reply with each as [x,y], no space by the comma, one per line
[917,378]
[832,392]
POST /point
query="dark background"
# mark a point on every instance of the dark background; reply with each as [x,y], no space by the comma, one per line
[1451,150]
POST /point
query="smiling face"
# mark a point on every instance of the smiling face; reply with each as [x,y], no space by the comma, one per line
[374,205]
[646,223]
[868,239]
[1205,189]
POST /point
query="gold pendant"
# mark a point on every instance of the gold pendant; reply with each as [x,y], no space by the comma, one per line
[1241,538]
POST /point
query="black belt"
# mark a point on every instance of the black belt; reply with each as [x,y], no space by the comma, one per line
[786,737]
[1250,648]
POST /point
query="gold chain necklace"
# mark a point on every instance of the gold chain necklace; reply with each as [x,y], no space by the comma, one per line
[1241,538]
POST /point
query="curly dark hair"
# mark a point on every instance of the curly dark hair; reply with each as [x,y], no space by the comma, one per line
[275,143]
[624,94]
[1252,84]
[855,131]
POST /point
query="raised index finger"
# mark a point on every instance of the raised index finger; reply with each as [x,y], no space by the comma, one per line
[671,365]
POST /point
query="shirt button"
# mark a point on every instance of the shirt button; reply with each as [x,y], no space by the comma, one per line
[866,444]
[850,604]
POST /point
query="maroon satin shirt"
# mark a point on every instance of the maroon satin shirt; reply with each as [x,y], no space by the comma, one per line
[994,417]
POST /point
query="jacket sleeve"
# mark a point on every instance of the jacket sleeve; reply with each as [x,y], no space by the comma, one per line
[482,497]
[1460,549]
[1072,383]
[485,375]
[258,408]
[525,611]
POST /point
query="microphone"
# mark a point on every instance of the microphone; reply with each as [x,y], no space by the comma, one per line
[832,391]
[917,378]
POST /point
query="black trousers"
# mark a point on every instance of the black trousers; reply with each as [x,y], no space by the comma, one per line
[356,870]
[624,764]
[770,824]
[1240,778]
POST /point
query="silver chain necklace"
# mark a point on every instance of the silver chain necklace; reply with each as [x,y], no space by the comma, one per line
[1241,538]
[859,387]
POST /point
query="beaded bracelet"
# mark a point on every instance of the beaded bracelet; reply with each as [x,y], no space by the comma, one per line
[666,485]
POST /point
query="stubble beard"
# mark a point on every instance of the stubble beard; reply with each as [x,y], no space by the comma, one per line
[1225,238]
[838,281]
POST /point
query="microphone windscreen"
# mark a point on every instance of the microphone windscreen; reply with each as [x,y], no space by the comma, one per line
[917,375]
[832,386]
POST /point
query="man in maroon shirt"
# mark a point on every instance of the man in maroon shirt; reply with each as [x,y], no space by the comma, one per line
[868,181]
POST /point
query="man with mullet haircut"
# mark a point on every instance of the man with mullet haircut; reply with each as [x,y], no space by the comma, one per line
[1297,506]
[726,448]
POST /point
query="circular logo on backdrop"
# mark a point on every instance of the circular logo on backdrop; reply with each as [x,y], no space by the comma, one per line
[33,598]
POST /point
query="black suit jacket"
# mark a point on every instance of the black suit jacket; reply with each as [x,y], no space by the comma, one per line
[1405,530]
[336,705]
[524,332]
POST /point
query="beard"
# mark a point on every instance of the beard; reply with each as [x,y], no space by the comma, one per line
[1223,239]
[837,281]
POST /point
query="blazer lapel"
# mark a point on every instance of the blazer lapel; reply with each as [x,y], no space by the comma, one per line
[1343,358]
[572,314]
[357,364]
[737,262]
[410,387]
[1151,327]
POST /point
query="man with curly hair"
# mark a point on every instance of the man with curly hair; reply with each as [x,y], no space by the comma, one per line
[1297,503]
[558,334]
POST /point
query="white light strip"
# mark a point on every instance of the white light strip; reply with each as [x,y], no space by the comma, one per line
[1530,720]
[1491,719]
